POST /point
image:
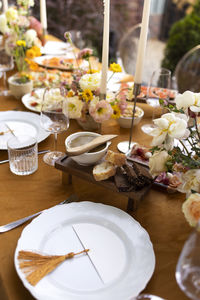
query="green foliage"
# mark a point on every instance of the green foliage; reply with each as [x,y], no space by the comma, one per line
[184,35]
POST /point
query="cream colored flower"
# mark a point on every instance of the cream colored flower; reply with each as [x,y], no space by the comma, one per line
[191,209]
[74,107]
[190,181]
[11,14]
[157,162]
[169,127]
[3,24]
[188,100]
[30,37]
[185,100]
[90,81]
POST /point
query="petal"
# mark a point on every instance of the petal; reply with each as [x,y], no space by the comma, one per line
[159,139]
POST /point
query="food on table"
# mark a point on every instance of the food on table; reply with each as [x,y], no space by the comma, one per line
[45,78]
[117,159]
[36,97]
[140,152]
[61,62]
[155,92]
[104,171]
[132,177]
[127,176]
[128,112]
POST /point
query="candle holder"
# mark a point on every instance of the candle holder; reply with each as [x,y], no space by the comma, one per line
[126,145]
[44,34]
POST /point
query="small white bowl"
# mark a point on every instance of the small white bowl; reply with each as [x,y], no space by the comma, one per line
[125,122]
[86,159]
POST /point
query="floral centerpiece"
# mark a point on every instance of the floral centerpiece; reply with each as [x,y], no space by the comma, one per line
[83,95]
[176,151]
[20,39]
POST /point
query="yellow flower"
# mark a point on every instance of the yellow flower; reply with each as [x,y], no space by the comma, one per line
[32,65]
[70,94]
[115,68]
[26,75]
[87,95]
[36,50]
[92,71]
[30,53]
[21,43]
[116,112]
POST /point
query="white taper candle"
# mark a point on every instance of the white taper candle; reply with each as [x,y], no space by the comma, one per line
[43,14]
[5,5]
[105,48]
[142,42]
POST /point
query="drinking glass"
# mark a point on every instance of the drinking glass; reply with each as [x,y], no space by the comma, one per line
[54,118]
[23,155]
[158,90]
[6,64]
[188,266]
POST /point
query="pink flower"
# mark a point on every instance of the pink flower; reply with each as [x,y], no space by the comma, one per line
[100,112]
[85,53]
[122,106]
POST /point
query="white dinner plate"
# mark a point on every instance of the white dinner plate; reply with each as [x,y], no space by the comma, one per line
[40,61]
[20,123]
[118,266]
[28,99]
[55,48]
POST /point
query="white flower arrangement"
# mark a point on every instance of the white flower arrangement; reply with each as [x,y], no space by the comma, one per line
[176,151]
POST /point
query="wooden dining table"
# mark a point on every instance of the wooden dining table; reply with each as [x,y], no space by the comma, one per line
[159,212]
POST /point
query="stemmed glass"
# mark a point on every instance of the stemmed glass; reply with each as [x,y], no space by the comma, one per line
[54,118]
[158,90]
[6,64]
[188,266]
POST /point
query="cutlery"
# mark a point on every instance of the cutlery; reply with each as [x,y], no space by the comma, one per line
[7,160]
[91,145]
[11,131]
[16,223]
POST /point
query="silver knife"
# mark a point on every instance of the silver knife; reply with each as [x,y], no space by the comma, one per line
[7,160]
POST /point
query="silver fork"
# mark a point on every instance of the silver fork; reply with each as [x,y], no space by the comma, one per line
[19,222]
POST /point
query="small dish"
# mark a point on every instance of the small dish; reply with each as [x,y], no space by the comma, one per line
[125,120]
[86,159]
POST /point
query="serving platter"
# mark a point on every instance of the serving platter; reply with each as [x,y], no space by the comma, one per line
[20,123]
[118,266]
[64,63]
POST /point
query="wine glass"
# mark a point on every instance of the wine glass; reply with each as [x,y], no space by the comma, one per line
[158,90]
[54,118]
[6,64]
[188,266]
[147,297]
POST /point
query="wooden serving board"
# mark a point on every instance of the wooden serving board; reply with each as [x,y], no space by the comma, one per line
[67,165]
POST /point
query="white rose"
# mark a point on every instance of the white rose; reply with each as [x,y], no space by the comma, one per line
[30,37]
[190,181]
[185,100]
[3,24]
[11,14]
[74,107]
[191,209]
[90,81]
[169,127]
[157,162]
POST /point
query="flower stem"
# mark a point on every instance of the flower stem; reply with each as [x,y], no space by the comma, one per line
[196,126]
[184,147]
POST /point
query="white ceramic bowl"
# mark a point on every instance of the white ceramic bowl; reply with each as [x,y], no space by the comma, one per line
[125,121]
[86,159]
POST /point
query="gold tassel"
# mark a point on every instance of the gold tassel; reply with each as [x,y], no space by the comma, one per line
[36,266]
